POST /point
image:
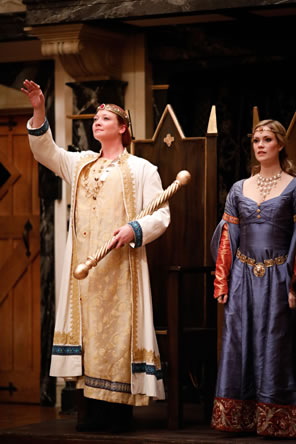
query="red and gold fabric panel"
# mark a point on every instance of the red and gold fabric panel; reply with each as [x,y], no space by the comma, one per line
[223,264]
[231,219]
[232,415]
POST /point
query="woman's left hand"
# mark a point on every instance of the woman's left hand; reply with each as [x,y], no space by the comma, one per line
[292,300]
[122,236]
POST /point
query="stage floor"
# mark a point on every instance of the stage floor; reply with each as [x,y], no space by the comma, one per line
[25,424]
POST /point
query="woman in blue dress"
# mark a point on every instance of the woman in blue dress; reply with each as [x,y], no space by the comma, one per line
[254,247]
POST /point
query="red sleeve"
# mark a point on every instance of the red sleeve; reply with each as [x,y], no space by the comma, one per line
[223,264]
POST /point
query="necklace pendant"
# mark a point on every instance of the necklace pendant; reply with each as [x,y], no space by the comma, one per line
[265,184]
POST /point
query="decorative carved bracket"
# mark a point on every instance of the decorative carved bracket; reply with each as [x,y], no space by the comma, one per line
[86,52]
[169,139]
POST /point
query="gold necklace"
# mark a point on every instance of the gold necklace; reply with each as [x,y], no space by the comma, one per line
[266,184]
[93,178]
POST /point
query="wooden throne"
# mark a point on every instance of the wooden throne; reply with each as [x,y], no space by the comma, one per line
[180,264]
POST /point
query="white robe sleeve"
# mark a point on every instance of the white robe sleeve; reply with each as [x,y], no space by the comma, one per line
[46,152]
[153,225]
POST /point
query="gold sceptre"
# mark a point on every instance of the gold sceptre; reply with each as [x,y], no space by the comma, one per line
[183,177]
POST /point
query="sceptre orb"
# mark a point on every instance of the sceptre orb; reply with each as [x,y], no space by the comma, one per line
[183,177]
[81,271]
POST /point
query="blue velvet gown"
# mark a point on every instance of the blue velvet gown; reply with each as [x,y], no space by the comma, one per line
[256,384]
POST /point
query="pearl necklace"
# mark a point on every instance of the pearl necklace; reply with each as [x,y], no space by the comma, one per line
[265,184]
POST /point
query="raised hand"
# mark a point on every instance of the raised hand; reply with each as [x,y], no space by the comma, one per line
[292,300]
[34,93]
[36,97]
[222,299]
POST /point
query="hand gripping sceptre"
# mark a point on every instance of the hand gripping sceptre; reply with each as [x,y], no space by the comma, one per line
[183,177]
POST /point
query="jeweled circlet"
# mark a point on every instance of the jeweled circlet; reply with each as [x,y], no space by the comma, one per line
[116,110]
[266,128]
[265,184]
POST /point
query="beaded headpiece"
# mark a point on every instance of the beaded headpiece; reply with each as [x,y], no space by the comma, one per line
[263,128]
[116,110]
[266,128]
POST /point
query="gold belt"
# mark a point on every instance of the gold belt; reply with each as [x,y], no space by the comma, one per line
[259,268]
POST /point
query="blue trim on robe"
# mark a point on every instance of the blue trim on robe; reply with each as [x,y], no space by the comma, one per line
[149,369]
[39,131]
[106,384]
[66,350]
[138,233]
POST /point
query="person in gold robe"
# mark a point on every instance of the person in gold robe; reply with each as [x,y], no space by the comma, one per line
[104,333]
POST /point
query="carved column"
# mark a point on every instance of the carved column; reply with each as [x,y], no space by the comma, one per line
[86,52]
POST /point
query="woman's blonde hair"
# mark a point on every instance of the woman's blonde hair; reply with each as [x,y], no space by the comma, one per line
[281,135]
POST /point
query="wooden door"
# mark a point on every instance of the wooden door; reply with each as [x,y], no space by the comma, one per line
[19,265]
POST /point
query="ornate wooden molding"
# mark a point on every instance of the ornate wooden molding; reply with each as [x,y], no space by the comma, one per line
[86,52]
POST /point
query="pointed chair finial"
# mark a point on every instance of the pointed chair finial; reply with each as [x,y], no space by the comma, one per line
[212,124]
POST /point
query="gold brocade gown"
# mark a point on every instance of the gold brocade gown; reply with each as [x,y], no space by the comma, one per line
[106,297]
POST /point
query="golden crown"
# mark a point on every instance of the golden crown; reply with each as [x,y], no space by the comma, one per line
[116,110]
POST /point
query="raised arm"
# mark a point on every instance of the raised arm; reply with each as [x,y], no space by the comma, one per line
[44,148]
[36,97]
